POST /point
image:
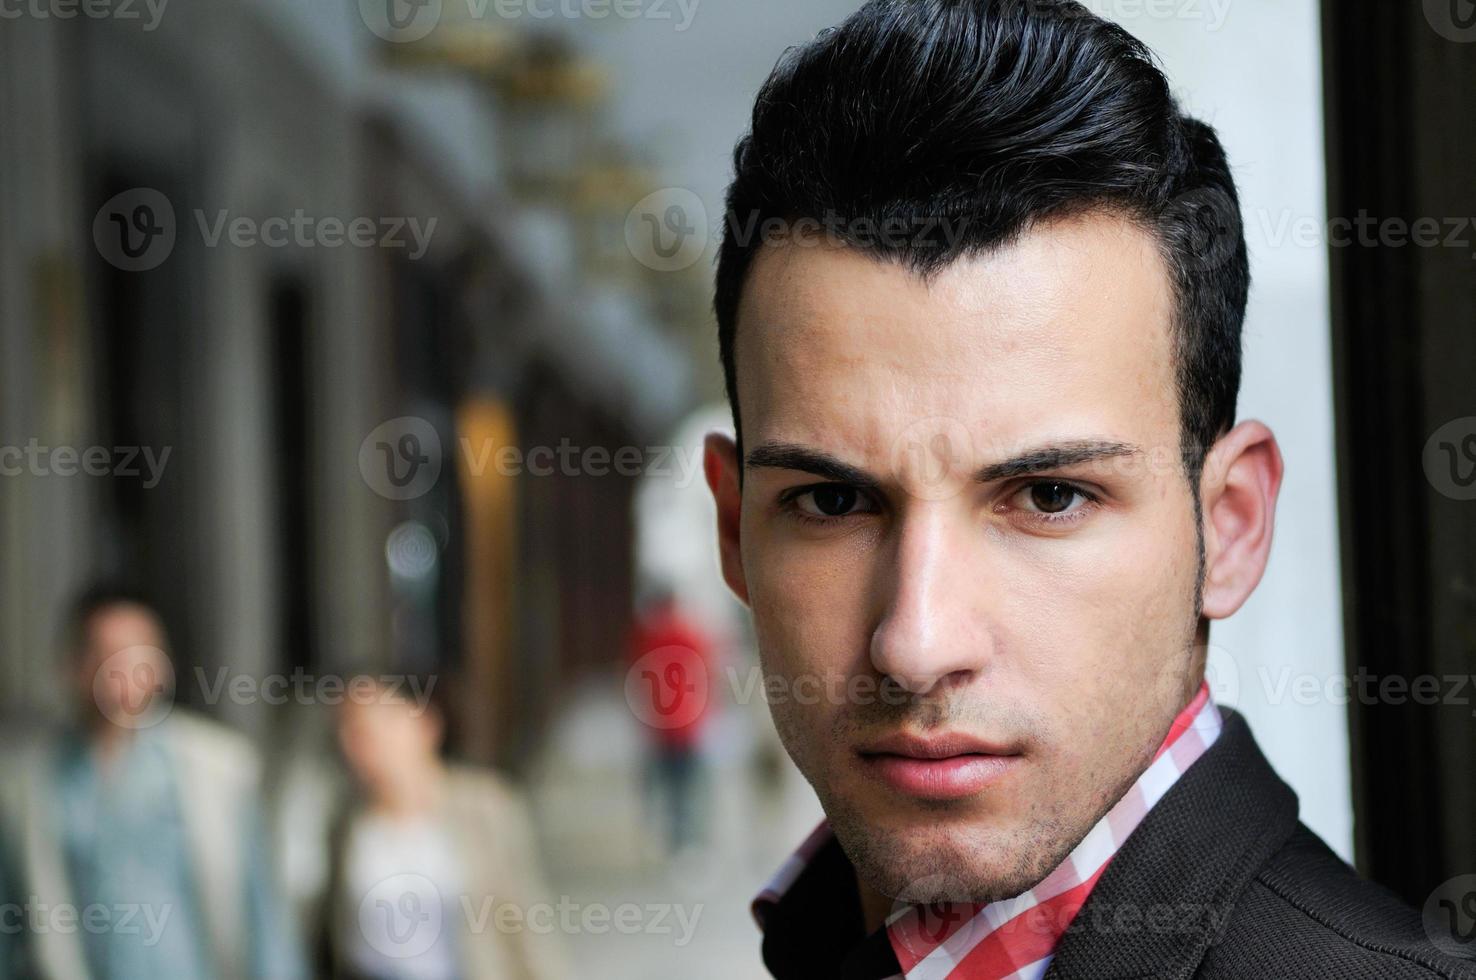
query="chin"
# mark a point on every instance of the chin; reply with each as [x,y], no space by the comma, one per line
[972,857]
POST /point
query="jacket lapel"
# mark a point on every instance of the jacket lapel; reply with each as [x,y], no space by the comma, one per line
[1162,901]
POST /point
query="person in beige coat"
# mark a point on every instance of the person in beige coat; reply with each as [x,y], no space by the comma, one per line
[131,840]
[433,873]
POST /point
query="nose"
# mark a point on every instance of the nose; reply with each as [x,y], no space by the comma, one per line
[932,630]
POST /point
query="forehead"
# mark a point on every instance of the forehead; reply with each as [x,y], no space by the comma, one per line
[1065,332]
[374,703]
[370,715]
[121,619]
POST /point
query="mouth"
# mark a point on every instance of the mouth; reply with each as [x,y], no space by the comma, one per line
[940,767]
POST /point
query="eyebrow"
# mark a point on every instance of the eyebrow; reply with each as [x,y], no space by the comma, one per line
[793,456]
[1038,459]
[1053,456]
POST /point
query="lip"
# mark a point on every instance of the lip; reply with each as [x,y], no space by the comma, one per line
[941,767]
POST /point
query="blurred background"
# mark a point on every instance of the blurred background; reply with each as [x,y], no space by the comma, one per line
[372,339]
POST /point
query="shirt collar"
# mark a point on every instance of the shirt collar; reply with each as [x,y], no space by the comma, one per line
[1012,939]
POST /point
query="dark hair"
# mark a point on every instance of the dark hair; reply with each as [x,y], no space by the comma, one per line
[93,600]
[983,117]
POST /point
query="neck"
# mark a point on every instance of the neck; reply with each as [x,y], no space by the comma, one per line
[415,794]
[875,907]
[106,740]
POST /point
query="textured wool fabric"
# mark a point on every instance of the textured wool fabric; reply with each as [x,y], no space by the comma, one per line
[1219,881]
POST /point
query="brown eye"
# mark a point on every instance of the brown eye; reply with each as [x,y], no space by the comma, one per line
[831,500]
[1053,497]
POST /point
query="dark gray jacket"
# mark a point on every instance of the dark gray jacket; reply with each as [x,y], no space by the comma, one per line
[1261,897]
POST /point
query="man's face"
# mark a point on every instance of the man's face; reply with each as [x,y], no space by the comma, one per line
[386,740]
[976,664]
[122,670]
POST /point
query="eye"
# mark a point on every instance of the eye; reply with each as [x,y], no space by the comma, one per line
[829,501]
[1053,500]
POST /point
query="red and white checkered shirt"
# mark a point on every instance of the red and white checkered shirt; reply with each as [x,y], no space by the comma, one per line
[1016,938]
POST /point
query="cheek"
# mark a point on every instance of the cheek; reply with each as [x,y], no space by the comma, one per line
[810,603]
[1099,619]
[811,625]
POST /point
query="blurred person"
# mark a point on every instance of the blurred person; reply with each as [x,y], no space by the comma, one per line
[132,838]
[986,494]
[672,657]
[433,867]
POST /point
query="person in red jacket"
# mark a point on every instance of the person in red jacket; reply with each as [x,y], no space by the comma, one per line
[668,687]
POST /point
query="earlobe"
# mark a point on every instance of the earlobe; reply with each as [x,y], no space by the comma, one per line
[1240,483]
[720,464]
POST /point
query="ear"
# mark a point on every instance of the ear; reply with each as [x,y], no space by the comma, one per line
[720,464]
[1238,488]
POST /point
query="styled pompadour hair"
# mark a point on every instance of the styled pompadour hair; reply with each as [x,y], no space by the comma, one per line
[982,118]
